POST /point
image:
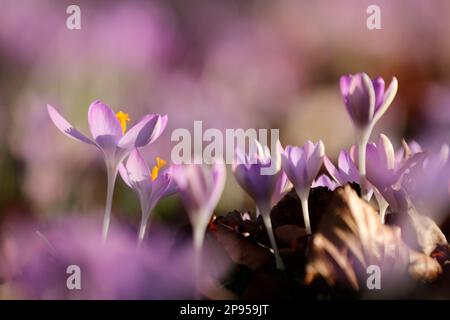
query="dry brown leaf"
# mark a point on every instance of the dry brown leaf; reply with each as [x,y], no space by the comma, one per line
[422,267]
[429,235]
[241,250]
[351,237]
[289,234]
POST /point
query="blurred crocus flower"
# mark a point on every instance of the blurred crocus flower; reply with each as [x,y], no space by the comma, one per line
[426,184]
[302,164]
[150,185]
[108,133]
[116,269]
[366,101]
[265,189]
[200,188]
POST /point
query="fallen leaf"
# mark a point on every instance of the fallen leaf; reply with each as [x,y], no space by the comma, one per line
[240,249]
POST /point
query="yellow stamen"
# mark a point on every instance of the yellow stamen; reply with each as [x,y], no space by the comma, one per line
[123,118]
[159,164]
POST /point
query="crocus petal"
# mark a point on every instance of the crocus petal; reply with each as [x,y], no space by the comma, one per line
[137,167]
[104,125]
[124,174]
[359,98]
[219,176]
[345,85]
[387,100]
[200,188]
[334,173]
[378,86]
[282,186]
[314,162]
[324,181]
[163,186]
[66,128]
[147,130]
[386,151]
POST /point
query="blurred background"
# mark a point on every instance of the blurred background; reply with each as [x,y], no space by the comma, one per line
[231,64]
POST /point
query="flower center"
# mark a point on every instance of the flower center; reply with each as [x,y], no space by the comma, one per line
[159,164]
[123,118]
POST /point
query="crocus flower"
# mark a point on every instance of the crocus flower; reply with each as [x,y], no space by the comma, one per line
[426,184]
[108,135]
[385,173]
[301,165]
[366,101]
[346,170]
[150,185]
[200,188]
[265,189]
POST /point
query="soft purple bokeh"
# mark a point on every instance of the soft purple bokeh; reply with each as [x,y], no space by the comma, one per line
[36,257]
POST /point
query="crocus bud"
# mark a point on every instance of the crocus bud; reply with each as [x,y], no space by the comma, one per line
[302,165]
[365,99]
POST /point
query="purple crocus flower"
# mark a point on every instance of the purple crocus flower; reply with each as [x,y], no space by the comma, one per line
[200,188]
[366,101]
[265,189]
[108,133]
[385,173]
[150,185]
[301,165]
[426,184]
[346,170]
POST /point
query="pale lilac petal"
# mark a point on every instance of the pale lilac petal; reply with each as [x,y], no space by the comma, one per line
[325,181]
[282,186]
[137,167]
[389,96]
[345,85]
[104,125]
[66,128]
[314,162]
[146,131]
[331,169]
[378,86]
[124,174]
[361,99]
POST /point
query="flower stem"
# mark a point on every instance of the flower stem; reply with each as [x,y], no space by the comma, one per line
[112,174]
[268,224]
[198,238]
[142,230]
[363,139]
[305,211]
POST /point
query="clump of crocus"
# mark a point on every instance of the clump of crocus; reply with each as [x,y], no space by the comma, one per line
[366,101]
[200,188]
[109,136]
[150,185]
[265,189]
[302,164]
